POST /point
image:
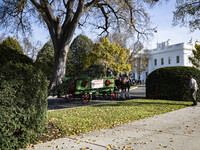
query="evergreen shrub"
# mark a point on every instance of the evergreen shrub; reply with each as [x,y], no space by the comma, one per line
[12,56]
[171,83]
[11,43]
[23,100]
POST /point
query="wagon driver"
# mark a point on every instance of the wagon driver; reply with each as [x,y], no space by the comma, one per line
[109,72]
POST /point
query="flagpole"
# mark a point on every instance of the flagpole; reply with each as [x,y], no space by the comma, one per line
[156,31]
[157,38]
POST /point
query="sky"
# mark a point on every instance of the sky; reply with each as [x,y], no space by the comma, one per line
[161,17]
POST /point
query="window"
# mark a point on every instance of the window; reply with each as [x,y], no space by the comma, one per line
[155,62]
[177,59]
[162,61]
[169,60]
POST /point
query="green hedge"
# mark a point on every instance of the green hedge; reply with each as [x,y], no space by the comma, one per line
[171,83]
[23,100]
[13,56]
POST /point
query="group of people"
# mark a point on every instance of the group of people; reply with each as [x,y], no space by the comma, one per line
[110,73]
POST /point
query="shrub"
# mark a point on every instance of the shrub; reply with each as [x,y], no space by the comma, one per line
[10,43]
[171,83]
[23,104]
[13,56]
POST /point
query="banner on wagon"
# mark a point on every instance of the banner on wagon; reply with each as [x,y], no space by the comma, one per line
[97,84]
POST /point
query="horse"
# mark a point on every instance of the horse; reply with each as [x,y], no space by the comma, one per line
[123,83]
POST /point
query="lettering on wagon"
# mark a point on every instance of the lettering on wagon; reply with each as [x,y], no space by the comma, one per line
[97,84]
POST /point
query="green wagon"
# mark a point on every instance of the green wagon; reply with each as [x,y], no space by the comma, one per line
[86,88]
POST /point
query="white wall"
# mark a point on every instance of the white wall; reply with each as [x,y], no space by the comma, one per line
[165,50]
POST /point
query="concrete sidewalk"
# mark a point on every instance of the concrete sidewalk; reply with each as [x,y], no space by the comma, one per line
[177,130]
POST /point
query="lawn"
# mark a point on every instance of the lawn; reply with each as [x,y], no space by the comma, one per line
[78,120]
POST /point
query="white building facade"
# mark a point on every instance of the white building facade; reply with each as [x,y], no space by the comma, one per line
[166,55]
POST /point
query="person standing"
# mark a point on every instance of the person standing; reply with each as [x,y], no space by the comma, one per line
[193,89]
[109,72]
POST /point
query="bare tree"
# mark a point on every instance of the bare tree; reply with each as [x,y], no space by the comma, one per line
[61,18]
[2,37]
[31,49]
[119,37]
[187,13]
[139,57]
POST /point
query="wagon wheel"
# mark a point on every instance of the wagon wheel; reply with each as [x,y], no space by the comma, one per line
[113,95]
[85,99]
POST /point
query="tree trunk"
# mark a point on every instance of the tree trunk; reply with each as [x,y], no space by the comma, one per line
[61,44]
[61,35]
[59,66]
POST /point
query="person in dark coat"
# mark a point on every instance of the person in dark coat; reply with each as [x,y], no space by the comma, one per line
[108,72]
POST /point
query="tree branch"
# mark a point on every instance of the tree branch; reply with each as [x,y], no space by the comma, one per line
[48,10]
[79,11]
[131,17]
[69,14]
[106,18]
[91,4]
[72,24]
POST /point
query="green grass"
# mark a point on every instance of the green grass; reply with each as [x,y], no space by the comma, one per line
[84,119]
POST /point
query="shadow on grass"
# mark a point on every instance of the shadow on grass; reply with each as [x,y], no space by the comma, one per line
[143,103]
[163,103]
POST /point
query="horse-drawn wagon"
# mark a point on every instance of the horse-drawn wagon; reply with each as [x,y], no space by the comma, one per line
[85,88]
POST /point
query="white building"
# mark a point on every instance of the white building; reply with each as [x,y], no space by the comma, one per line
[165,55]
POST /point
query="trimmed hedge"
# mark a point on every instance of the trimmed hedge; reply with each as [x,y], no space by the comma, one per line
[10,55]
[23,100]
[171,83]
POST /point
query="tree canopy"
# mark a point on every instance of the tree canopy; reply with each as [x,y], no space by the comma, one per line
[94,71]
[77,59]
[187,13]
[45,59]
[61,18]
[110,55]
[195,59]
[13,44]
[57,14]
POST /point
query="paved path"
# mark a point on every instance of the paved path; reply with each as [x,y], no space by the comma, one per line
[177,130]
[139,92]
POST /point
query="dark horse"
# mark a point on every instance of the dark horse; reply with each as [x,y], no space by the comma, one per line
[123,83]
